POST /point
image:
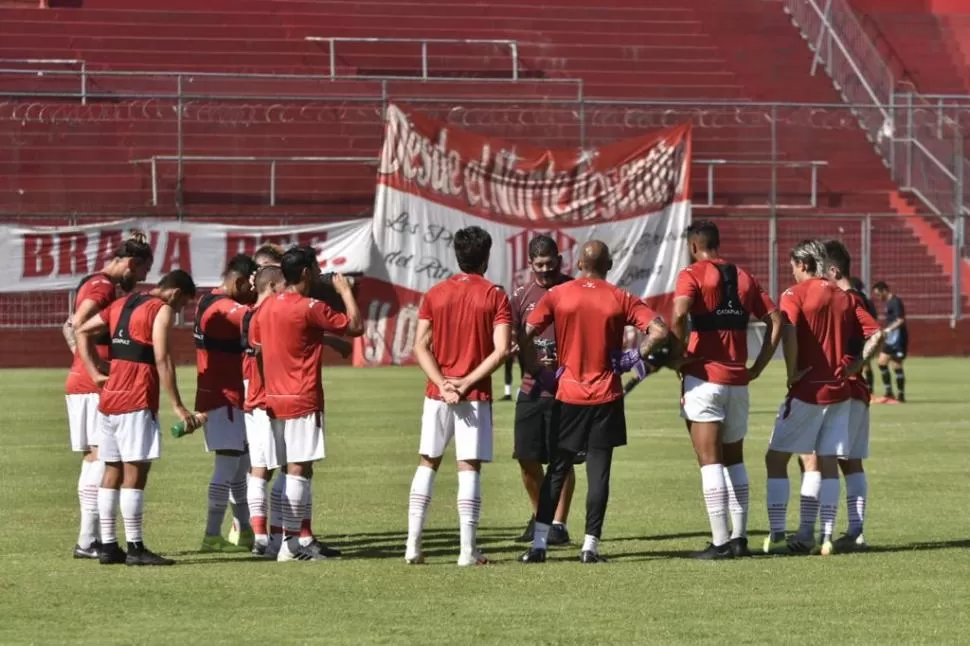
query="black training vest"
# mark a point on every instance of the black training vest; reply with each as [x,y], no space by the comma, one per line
[244,340]
[205,342]
[105,337]
[729,314]
[125,348]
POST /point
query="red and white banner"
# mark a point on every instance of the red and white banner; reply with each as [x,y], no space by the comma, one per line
[54,258]
[433,179]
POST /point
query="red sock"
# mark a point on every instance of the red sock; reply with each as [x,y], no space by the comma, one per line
[305,529]
[259,525]
[275,530]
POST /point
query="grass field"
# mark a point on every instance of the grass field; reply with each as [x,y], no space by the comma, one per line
[913,587]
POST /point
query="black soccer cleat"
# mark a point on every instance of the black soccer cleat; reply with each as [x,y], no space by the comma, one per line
[558,535]
[901,398]
[580,457]
[322,550]
[714,552]
[533,555]
[589,557]
[138,555]
[739,547]
[111,554]
[529,532]
[259,549]
[92,552]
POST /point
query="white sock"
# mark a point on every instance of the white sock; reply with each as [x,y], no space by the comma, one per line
[238,494]
[293,497]
[828,500]
[306,524]
[777,493]
[87,490]
[420,499]
[276,504]
[736,478]
[256,500]
[108,514]
[540,536]
[591,544]
[808,509]
[716,501]
[469,508]
[132,508]
[508,390]
[222,474]
[856,492]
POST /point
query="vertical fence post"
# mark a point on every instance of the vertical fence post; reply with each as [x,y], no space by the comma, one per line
[515,60]
[773,205]
[333,58]
[272,183]
[180,147]
[424,60]
[582,116]
[84,82]
[958,221]
[154,181]
[909,141]
[892,134]
[866,251]
[383,99]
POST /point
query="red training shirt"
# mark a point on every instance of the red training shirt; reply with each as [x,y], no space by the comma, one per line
[102,291]
[523,302]
[220,379]
[464,311]
[289,329]
[723,354]
[825,319]
[590,315]
[255,392]
[132,386]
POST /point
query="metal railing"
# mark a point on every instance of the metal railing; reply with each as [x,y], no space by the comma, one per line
[272,162]
[332,42]
[82,70]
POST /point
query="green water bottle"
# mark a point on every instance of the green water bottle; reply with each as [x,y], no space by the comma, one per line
[178,428]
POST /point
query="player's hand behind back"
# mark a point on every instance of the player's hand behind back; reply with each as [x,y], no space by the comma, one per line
[450,393]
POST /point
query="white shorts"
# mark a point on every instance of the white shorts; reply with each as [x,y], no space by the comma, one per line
[470,423]
[811,428]
[225,430]
[265,447]
[704,401]
[130,437]
[303,439]
[84,421]
[858,430]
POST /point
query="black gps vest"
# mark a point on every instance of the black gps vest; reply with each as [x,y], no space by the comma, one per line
[125,348]
[729,314]
[205,342]
[105,337]
[244,339]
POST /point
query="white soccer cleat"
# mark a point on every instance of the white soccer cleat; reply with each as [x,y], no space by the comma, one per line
[467,559]
[414,559]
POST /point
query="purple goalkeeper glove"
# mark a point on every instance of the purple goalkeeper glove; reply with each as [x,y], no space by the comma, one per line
[629,360]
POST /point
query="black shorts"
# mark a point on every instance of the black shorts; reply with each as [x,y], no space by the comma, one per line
[897,352]
[596,426]
[536,428]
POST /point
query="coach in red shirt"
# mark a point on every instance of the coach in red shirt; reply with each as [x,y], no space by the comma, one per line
[720,298]
[462,338]
[289,329]
[590,315]
[821,321]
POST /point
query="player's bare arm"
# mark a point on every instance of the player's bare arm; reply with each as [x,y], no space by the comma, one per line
[67,330]
[773,332]
[96,368]
[500,339]
[678,323]
[657,333]
[343,288]
[165,365]
[789,346]
[429,364]
[871,348]
[86,310]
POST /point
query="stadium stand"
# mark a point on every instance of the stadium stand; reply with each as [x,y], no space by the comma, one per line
[83,136]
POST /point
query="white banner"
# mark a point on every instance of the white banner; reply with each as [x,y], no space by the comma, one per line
[56,258]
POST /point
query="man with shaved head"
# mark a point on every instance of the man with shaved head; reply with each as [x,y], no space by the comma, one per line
[589,316]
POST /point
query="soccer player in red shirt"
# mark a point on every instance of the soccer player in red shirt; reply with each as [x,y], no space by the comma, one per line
[590,315]
[264,454]
[289,329]
[140,327]
[219,394]
[462,338]
[131,263]
[820,320]
[720,298]
[535,434]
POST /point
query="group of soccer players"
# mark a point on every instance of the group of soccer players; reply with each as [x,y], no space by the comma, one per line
[259,340]
[260,336]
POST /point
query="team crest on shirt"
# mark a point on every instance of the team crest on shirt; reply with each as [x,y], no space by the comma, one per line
[588,284]
[518,253]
